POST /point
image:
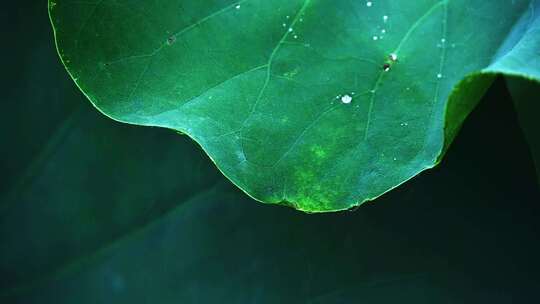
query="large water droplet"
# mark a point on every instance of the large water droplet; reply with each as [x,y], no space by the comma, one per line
[346,99]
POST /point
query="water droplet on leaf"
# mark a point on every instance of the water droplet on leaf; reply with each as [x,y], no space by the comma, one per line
[346,99]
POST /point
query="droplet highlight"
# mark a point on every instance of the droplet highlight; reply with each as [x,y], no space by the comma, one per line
[346,99]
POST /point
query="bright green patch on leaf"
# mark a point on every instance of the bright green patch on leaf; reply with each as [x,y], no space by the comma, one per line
[317,104]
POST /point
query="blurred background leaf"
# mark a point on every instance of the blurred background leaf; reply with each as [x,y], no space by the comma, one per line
[92,211]
[526,96]
[73,180]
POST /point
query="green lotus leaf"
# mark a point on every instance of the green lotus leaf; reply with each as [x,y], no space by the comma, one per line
[316,104]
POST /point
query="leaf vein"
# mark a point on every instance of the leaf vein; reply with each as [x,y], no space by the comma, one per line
[409,32]
[271,59]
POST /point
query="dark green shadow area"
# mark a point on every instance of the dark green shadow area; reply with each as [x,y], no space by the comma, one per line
[92,211]
[74,181]
[526,96]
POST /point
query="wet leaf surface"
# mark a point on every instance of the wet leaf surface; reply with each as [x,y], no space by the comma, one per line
[320,105]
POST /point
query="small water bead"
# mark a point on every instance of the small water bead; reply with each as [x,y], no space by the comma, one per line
[346,99]
[385,18]
[393,57]
[439,75]
[375,38]
[383,31]
[442,43]
[369,4]
[290,30]
[171,40]
[295,36]
[284,24]
[237,6]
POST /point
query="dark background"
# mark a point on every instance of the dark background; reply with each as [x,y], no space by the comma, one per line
[92,211]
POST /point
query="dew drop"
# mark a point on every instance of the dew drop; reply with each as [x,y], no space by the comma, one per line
[439,75]
[375,38]
[346,99]
[369,4]
[295,36]
[385,18]
[383,31]
[393,57]
[237,6]
[290,29]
